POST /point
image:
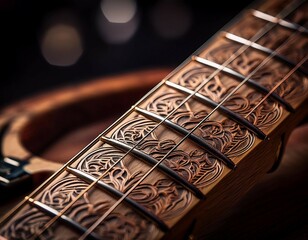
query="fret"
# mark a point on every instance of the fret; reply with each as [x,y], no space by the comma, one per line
[250,82]
[150,160]
[170,198]
[281,22]
[89,179]
[232,115]
[259,47]
[219,155]
[66,220]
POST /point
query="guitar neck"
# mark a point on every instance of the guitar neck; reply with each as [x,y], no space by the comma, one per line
[181,157]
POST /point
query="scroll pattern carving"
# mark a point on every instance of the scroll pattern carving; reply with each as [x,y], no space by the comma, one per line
[122,177]
[162,196]
[246,27]
[295,49]
[220,135]
[268,75]
[119,177]
[27,225]
[126,226]
[196,166]
[85,211]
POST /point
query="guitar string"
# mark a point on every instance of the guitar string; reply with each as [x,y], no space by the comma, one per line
[120,200]
[278,84]
[299,29]
[286,11]
[111,167]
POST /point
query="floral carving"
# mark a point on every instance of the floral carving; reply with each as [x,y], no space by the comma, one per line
[162,196]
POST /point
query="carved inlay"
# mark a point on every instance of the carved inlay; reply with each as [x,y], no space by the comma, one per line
[268,75]
[119,177]
[26,225]
[195,166]
[158,193]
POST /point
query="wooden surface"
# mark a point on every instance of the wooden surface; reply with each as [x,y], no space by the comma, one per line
[275,207]
[177,177]
[50,128]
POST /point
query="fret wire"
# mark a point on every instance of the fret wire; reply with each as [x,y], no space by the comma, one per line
[78,155]
[239,77]
[152,161]
[91,229]
[286,11]
[105,187]
[53,212]
[196,139]
[297,66]
[230,114]
[282,22]
[278,84]
[263,49]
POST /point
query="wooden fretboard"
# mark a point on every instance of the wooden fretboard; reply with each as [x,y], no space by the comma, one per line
[190,148]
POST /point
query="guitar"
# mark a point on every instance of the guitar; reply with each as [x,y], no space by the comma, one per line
[184,154]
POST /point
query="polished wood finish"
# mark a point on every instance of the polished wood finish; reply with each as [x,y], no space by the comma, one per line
[182,213]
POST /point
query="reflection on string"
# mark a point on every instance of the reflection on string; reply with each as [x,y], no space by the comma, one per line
[93,227]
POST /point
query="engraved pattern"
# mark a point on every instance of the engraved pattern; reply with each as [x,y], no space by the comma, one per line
[98,161]
[247,26]
[196,166]
[268,75]
[85,211]
[224,136]
[122,177]
[163,197]
[25,226]
[126,226]
[274,7]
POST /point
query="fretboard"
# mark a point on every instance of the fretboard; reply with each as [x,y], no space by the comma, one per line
[190,147]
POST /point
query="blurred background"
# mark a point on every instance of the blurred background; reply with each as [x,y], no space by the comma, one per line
[49,44]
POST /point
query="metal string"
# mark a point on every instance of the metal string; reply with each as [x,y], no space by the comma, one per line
[257,36]
[186,136]
[300,29]
[278,84]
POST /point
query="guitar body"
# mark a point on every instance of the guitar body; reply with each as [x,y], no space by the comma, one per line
[176,164]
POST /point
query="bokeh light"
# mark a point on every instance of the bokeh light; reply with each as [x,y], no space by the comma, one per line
[119,11]
[117,21]
[61,45]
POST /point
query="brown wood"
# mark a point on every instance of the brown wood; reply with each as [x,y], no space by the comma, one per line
[70,131]
[264,211]
[200,161]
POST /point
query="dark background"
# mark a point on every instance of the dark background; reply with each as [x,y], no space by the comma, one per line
[24,24]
